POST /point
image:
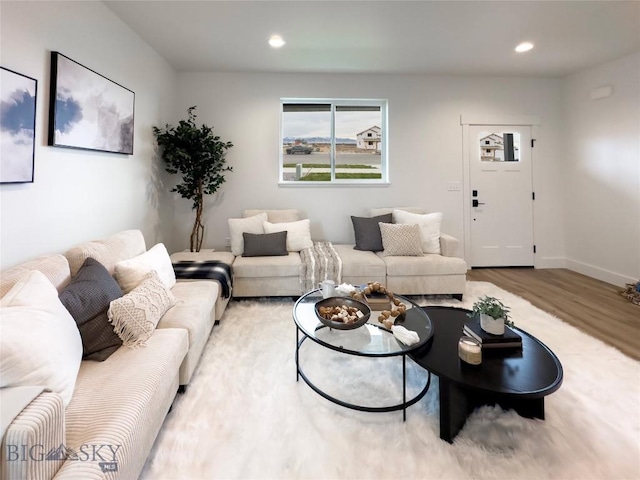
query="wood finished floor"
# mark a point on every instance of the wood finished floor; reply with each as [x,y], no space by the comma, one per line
[595,307]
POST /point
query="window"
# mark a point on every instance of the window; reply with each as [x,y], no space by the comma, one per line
[333,141]
[506,147]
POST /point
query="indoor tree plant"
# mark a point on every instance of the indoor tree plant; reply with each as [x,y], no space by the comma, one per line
[199,156]
[492,313]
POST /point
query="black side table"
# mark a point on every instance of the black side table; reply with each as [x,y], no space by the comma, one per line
[513,379]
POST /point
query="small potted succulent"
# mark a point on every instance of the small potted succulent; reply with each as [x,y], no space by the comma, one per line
[492,313]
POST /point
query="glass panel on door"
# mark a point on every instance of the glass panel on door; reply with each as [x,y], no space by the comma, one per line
[499,147]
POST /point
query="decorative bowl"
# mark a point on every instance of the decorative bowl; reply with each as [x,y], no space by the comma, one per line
[338,302]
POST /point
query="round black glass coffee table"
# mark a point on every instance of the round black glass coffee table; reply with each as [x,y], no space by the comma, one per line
[369,340]
[514,379]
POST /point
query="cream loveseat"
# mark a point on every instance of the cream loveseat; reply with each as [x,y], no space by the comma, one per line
[117,405]
[426,274]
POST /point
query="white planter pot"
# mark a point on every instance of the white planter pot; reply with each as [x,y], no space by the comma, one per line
[495,326]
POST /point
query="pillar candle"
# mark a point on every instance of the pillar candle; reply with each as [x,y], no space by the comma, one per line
[469,350]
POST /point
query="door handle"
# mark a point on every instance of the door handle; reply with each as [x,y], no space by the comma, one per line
[475,203]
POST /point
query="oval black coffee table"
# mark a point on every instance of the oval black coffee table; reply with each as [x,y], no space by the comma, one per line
[369,340]
[514,379]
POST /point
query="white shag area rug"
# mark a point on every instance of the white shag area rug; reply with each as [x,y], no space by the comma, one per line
[244,415]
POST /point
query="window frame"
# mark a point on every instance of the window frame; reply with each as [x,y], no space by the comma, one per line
[334,182]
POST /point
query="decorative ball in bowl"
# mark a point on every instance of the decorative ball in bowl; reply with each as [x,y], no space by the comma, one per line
[342,313]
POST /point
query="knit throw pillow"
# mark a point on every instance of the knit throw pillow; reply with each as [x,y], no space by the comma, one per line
[429,228]
[135,316]
[401,239]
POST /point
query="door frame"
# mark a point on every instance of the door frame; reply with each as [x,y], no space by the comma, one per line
[466,121]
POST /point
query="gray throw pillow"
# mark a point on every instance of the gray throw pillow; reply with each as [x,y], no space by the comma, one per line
[265,244]
[367,232]
[87,299]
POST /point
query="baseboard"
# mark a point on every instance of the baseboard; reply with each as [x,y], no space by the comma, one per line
[599,273]
[551,262]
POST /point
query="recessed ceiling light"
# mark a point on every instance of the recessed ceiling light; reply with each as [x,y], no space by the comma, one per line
[524,47]
[276,41]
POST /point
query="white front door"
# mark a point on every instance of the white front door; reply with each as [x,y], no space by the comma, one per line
[501,196]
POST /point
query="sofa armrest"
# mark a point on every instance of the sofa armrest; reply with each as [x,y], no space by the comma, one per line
[449,245]
[33,433]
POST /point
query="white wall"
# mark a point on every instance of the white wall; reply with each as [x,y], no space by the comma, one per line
[602,172]
[81,195]
[425,147]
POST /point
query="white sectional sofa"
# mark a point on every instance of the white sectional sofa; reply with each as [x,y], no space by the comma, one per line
[118,405]
[443,273]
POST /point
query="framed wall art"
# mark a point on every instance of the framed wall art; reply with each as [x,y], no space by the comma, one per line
[87,110]
[17,126]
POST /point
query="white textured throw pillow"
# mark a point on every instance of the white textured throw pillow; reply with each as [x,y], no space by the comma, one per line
[129,273]
[298,233]
[40,343]
[237,226]
[135,316]
[429,228]
[401,240]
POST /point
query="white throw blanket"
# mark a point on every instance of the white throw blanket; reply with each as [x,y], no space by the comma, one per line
[321,262]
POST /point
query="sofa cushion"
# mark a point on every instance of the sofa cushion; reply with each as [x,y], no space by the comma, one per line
[265,244]
[134,316]
[276,216]
[298,233]
[359,263]
[285,266]
[194,303]
[401,239]
[55,268]
[367,232]
[131,272]
[108,252]
[429,228]
[237,226]
[39,341]
[192,311]
[195,312]
[122,403]
[87,299]
[428,264]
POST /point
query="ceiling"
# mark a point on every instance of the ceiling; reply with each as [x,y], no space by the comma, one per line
[393,36]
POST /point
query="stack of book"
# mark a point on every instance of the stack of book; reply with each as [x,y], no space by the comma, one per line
[509,339]
[378,301]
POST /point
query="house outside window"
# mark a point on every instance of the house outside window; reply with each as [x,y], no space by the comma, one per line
[333,142]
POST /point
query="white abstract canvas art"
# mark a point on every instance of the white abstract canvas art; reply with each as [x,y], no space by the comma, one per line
[87,110]
[17,126]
